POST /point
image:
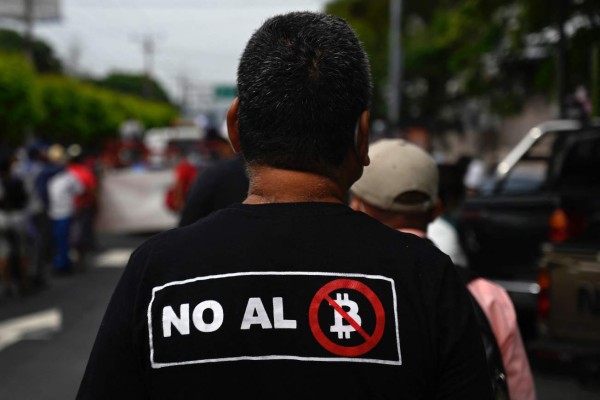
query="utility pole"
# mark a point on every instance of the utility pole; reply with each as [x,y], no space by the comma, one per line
[562,72]
[595,70]
[395,65]
[74,56]
[148,43]
[148,46]
[28,20]
[184,87]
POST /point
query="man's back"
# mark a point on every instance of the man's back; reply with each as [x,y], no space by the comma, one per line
[291,294]
[264,314]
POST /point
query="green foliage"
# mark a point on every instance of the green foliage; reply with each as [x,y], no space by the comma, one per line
[57,108]
[133,84]
[455,50]
[43,56]
[88,114]
[19,105]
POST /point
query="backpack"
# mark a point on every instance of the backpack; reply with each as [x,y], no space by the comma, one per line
[492,351]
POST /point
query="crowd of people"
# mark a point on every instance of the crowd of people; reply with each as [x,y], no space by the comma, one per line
[48,202]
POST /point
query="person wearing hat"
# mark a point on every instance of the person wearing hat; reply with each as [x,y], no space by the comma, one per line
[400,189]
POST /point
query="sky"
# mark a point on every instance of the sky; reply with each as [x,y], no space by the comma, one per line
[197,43]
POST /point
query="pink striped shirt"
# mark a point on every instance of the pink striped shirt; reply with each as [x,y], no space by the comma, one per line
[500,312]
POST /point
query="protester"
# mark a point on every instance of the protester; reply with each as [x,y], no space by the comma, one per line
[52,163]
[223,182]
[219,185]
[13,201]
[86,202]
[291,294]
[400,188]
[63,188]
[185,172]
[29,169]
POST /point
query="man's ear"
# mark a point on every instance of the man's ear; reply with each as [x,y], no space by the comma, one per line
[362,138]
[232,125]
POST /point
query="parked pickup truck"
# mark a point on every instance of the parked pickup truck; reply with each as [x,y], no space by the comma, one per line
[569,304]
[544,190]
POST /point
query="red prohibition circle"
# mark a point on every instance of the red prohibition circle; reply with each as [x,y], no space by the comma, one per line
[323,295]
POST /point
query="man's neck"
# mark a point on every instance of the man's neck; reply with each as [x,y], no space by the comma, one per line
[418,232]
[273,185]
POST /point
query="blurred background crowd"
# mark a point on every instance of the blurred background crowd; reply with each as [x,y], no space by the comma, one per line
[50,196]
[463,79]
[110,112]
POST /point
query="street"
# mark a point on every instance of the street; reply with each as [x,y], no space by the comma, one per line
[46,337]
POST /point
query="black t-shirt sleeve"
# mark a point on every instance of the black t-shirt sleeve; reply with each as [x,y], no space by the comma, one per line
[114,369]
[462,370]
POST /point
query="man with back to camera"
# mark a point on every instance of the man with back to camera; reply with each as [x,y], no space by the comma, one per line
[222,183]
[400,189]
[291,294]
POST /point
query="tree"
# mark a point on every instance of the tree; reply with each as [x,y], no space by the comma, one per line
[19,105]
[43,55]
[88,114]
[43,102]
[133,84]
[496,52]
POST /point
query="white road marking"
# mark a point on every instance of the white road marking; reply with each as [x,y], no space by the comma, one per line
[32,326]
[115,258]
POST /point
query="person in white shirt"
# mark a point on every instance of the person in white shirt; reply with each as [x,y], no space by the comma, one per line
[443,234]
[62,190]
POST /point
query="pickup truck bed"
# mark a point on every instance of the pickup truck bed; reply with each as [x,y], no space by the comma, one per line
[569,305]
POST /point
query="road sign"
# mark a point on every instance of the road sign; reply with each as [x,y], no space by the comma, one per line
[225,91]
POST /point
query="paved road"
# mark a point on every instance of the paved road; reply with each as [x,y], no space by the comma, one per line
[48,362]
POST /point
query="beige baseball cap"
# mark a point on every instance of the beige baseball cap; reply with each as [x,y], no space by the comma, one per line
[398,170]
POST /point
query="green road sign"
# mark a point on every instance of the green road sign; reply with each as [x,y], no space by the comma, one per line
[225,92]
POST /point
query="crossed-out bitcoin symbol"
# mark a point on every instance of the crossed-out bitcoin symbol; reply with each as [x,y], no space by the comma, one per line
[344,330]
[351,317]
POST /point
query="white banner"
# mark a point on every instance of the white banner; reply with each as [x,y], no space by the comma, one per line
[134,201]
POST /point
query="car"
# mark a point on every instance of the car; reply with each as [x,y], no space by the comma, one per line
[545,190]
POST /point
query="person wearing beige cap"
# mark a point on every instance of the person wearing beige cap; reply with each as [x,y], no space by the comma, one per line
[400,189]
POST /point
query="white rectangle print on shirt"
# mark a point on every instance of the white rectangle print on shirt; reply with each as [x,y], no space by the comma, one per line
[275,315]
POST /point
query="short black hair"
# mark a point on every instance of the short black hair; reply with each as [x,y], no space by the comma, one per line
[303,81]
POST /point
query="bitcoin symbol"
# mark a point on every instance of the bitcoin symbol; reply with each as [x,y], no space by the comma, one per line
[343,330]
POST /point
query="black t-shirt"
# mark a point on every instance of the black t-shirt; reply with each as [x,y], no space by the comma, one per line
[286,301]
